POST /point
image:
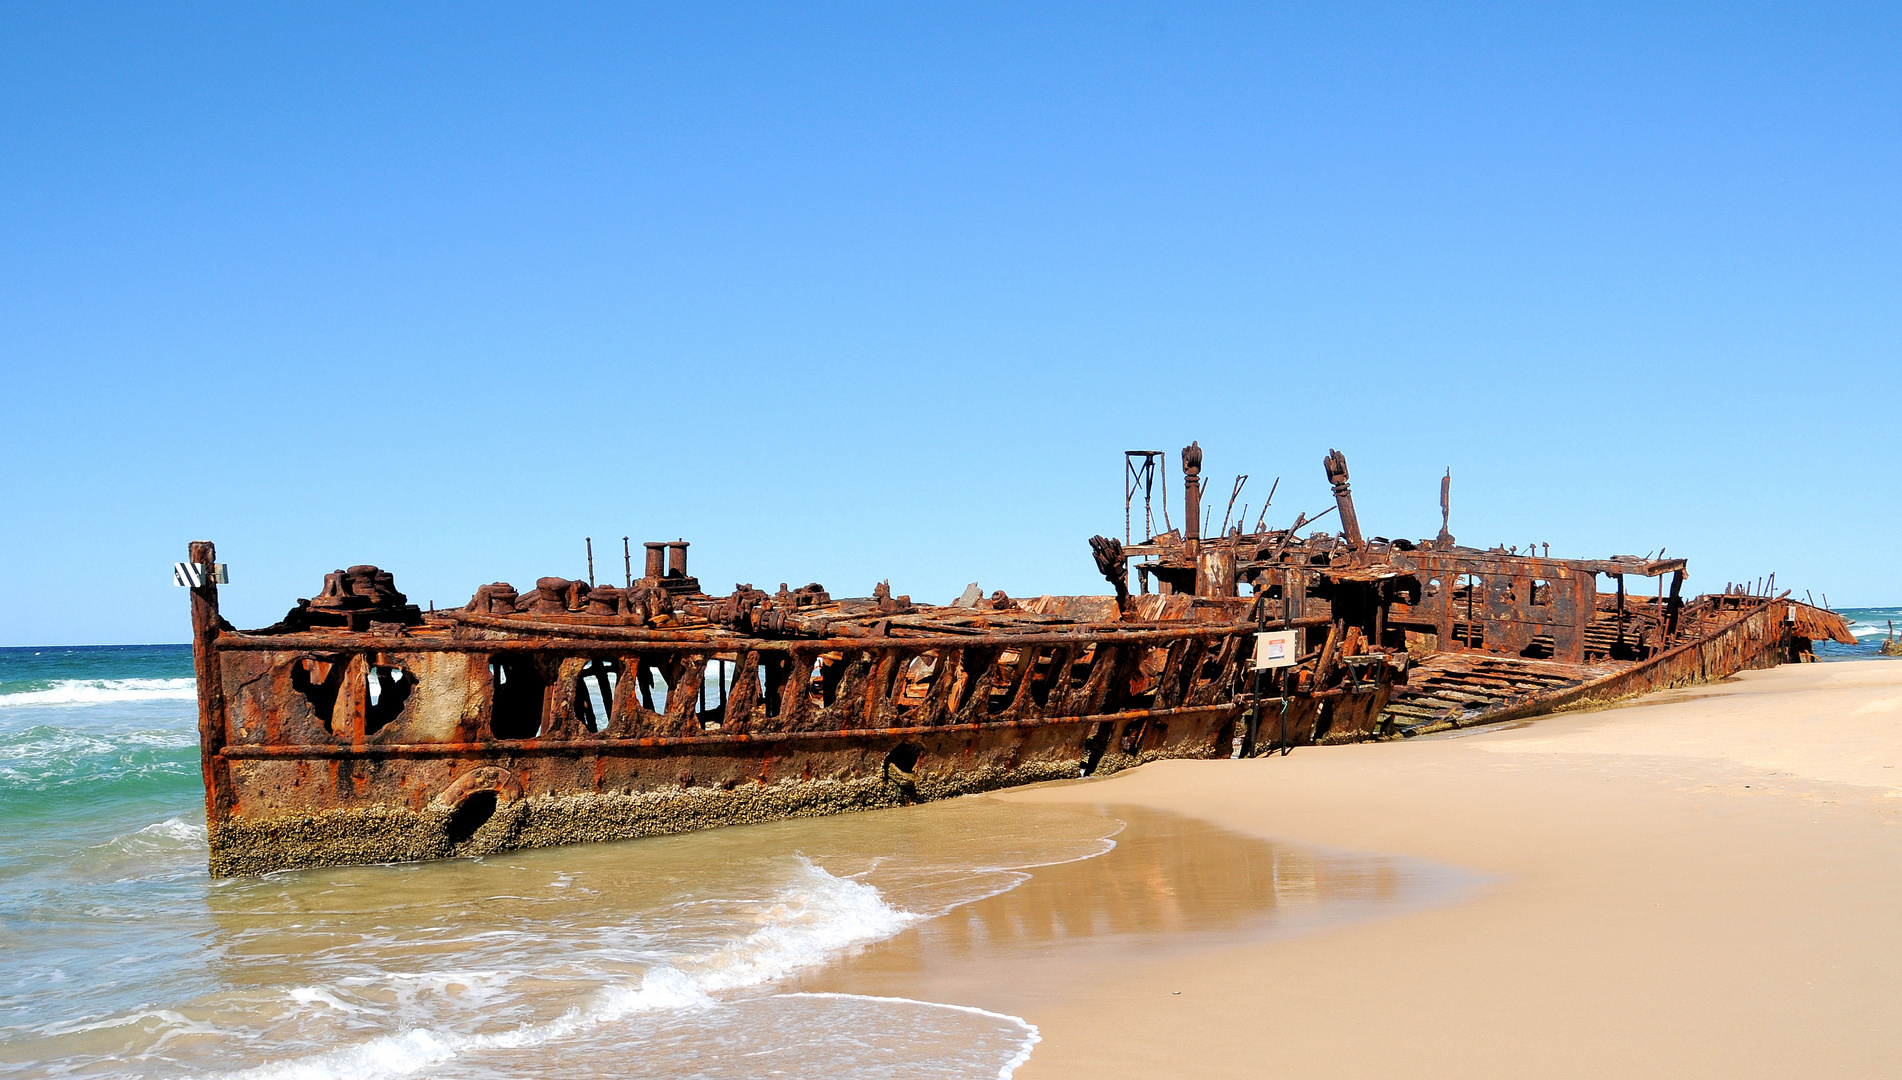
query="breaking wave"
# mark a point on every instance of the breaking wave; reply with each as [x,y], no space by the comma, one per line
[172,834]
[95,691]
[815,917]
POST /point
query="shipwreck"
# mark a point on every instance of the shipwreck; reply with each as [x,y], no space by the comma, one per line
[362,729]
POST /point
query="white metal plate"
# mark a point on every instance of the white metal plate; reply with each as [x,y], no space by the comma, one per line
[1274,649]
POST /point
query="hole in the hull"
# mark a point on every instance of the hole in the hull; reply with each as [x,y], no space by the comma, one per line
[1079,675]
[716,690]
[899,763]
[827,671]
[915,681]
[319,681]
[1324,721]
[1049,668]
[1003,668]
[389,688]
[653,686]
[594,693]
[904,756]
[470,815]
[517,699]
[1095,746]
[774,671]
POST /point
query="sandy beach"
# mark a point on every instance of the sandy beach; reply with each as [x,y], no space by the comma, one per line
[1706,883]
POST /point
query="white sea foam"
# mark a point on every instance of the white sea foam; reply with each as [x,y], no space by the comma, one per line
[170,833]
[160,1019]
[819,915]
[1031,1036]
[101,692]
[813,918]
[317,995]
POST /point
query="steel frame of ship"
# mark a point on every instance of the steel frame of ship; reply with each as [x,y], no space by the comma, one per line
[391,736]
[296,778]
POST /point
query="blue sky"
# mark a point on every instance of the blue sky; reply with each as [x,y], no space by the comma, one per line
[848,293]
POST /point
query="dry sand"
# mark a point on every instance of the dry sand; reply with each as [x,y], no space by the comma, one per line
[1708,883]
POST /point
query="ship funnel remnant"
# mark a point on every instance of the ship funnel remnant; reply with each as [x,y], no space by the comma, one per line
[362,729]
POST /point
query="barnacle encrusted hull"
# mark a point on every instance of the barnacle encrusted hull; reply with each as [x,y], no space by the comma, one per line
[489,821]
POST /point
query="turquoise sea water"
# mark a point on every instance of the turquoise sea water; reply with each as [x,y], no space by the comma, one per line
[670,957]
[1870,626]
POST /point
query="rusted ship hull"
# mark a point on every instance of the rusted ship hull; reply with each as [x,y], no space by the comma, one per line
[360,729]
[456,737]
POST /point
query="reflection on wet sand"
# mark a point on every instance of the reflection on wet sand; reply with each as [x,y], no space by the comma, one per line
[1171,882]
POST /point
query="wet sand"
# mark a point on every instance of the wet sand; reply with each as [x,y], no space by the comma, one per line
[1708,883]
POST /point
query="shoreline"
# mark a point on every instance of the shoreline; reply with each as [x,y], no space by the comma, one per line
[1700,884]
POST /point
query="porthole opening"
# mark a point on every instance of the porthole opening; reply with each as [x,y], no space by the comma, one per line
[470,815]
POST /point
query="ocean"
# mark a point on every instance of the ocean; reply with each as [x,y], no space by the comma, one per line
[1869,626]
[687,956]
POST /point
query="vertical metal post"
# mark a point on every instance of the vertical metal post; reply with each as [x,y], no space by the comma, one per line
[1192,496]
[211,697]
[1446,508]
[1336,466]
[627,561]
[1673,605]
[1472,586]
[590,541]
[1166,527]
[1620,579]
